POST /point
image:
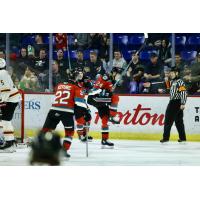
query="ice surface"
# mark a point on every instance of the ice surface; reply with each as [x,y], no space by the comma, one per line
[125,153]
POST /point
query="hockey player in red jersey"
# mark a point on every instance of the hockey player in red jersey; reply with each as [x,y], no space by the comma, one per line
[83,118]
[106,102]
[67,95]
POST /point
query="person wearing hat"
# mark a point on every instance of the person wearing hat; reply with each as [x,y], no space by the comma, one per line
[174,111]
[9,99]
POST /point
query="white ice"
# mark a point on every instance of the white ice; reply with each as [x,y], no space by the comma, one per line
[125,153]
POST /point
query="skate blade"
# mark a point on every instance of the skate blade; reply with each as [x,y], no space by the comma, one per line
[21,145]
[85,141]
[107,147]
[182,143]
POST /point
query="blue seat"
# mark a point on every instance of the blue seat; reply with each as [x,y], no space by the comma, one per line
[188,55]
[123,40]
[28,40]
[73,54]
[137,40]
[46,40]
[180,43]
[65,54]
[54,55]
[193,43]
[179,40]
[194,40]
[127,54]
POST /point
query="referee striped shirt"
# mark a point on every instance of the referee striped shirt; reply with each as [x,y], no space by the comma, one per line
[178,91]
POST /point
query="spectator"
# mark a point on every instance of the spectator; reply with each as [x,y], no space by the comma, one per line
[41,63]
[62,63]
[82,41]
[2,54]
[164,50]
[136,71]
[152,72]
[124,85]
[79,62]
[23,60]
[180,64]
[118,61]
[39,44]
[56,76]
[94,66]
[16,82]
[29,81]
[153,69]
[31,56]
[164,85]
[135,61]
[103,49]
[61,41]
[95,41]
[198,58]
[136,86]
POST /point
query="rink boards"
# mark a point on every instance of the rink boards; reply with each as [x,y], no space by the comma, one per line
[142,117]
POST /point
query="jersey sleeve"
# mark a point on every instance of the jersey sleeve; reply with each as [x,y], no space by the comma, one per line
[79,98]
[6,85]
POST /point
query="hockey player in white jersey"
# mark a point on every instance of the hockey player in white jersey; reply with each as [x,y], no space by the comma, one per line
[9,99]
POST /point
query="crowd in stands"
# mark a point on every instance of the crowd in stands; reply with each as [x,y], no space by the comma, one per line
[147,73]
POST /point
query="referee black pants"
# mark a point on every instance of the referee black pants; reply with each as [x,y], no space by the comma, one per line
[174,114]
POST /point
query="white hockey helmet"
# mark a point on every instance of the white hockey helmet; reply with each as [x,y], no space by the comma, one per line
[2,63]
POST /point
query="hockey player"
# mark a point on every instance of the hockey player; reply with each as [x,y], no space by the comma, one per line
[9,99]
[83,118]
[67,95]
[106,102]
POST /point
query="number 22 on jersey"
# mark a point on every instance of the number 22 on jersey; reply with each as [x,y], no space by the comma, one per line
[62,97]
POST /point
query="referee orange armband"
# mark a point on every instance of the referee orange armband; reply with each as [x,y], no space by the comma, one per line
[182,88]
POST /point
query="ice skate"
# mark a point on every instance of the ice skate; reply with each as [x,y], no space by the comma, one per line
[106,144]
[164,141]
[7,146]
[181,141]
[83,138]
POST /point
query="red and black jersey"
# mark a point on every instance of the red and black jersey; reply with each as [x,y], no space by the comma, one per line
[66,96]
[103,84]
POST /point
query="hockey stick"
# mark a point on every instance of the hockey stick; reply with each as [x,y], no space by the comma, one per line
[68,54]
[103,100]
[87,128]
[125,70]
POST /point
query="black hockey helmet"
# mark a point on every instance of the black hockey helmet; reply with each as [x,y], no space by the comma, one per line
[46,148]
[74,74]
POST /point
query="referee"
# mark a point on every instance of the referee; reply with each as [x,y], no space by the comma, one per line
[174,111]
